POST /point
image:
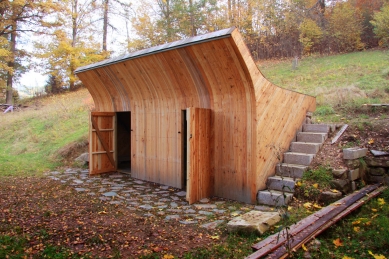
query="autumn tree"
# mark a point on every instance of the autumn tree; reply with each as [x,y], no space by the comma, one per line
[381,25]
[310,35]
[17,18]
[345,28]
[73,44]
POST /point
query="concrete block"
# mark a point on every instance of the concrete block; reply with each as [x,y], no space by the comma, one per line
[323,128]
[311,137]
[254,222]
[353,174]
[273,198]
[291,170]
[354,153]
[303,147]
[278,183]
[298,158]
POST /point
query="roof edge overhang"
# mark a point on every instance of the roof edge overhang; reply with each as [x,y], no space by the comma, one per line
[225,33]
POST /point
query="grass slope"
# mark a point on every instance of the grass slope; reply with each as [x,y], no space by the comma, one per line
[31,139]
[348,79]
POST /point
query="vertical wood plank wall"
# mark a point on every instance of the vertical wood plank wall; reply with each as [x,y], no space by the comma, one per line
[250,117]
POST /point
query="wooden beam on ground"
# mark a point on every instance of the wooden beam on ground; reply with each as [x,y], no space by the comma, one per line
[311,225]
[340,132]
[314,231]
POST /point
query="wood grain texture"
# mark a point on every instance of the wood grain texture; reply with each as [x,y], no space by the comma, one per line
[199,178]
[251,121]
[102,155]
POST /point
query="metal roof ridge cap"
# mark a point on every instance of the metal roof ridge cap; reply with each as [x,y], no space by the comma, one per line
[160,48]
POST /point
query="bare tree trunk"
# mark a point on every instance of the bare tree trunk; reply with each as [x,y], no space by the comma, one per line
[105,24]
[192,25]
[74,39]
[9,92]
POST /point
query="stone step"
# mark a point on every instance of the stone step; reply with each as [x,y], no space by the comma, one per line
[298,158]
[279,183]
[305,147]
[274,198]
[311,137]
[323,128]
[291,170]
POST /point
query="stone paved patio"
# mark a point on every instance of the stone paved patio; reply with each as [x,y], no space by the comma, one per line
[151,199]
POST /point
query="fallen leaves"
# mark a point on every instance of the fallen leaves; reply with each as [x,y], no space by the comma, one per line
[337,242]
[381,201]
[304,247]
[376,256]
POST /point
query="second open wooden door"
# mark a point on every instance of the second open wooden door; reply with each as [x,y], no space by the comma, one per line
[199,180]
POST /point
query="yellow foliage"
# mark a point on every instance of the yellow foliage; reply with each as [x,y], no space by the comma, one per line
[381,201]
[376,256]
[304,248]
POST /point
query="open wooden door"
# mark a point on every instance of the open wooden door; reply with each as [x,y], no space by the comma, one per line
[102,157]
[198,154]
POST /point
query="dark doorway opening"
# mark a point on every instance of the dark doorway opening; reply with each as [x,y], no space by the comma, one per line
[123,140]
[184,147]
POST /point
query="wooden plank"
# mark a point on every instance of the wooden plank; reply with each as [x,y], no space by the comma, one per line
[301,239]
[277,240]
[339,133]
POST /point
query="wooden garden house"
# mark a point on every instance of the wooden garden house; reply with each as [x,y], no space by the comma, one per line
[195,114]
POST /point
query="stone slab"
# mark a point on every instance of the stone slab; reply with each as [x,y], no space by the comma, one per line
[339,173]
[253,222]
[354,153]
[377,162]
[212,225]
[205,206]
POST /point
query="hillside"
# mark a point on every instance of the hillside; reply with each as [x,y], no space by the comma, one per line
[43,135]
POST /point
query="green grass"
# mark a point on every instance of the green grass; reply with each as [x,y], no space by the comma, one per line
[341,80]
[31,139]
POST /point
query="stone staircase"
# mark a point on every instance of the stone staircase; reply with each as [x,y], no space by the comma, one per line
[296,161]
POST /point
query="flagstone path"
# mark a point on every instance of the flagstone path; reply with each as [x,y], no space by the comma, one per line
[151,199]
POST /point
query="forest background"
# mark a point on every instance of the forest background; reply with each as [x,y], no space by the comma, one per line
[67,34]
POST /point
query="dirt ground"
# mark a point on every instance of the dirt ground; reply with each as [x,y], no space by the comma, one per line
[47,212]
[371,132]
